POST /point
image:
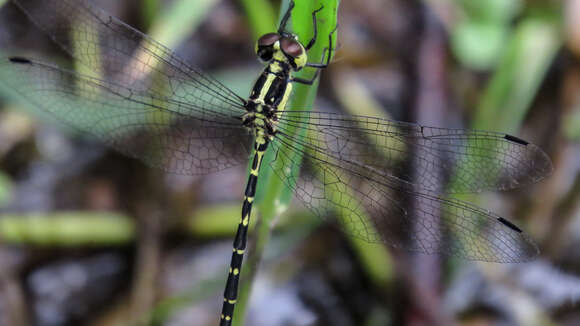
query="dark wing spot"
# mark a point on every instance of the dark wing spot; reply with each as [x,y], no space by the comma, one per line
[516,140]
[509,224]
[19,60]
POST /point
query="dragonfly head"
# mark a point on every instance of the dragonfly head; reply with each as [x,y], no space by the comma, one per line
[281,47]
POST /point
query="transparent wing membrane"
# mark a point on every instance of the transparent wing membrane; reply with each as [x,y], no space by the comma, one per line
[163,132]
[107,46]
[388,211]
[384,180]
[463,160]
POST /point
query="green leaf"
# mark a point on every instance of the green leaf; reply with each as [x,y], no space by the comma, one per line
[210,221]
[530,52]
[67,229]
[272,196]
[478,38]
[491,10]
[5,188]
[478,45]
[179,20]
[572,125]
[261,16]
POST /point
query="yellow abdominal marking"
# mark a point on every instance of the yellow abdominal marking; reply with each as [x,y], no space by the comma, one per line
[260,156]
[260,140]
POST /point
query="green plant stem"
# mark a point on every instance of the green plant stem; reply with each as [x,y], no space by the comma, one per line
[513,86]
[273,197]
[261,16]
[67,229]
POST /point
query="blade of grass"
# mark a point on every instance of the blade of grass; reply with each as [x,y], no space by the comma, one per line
[261,16]
[273,197]
[214,220]
[5,188]
[149,11]
[179,21]
[68,229]
[513,86]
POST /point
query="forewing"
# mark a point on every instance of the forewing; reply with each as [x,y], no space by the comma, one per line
[444,160]
[162,131]
[133,93]
[115,51]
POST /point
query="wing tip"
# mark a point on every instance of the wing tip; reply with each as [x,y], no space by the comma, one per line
[541,162]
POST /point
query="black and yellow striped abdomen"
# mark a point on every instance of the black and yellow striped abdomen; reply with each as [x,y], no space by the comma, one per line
[240,241]
[268,97]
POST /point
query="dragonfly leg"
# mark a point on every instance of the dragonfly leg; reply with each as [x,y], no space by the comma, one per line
[321,65]
[315,26]
[285,18]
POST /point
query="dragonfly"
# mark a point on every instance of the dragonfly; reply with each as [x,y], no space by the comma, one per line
[144,101]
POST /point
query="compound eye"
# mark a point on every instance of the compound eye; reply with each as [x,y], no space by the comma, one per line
[291,47]
[268,39]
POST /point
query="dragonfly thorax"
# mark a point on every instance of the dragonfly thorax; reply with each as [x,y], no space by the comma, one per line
[268,99]
[272,89]
[260,125]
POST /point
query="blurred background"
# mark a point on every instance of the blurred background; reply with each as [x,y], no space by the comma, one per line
[90,237]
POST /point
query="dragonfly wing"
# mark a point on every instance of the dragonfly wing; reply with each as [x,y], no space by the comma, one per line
[444,160]
[391,213]
[162,131]
[118,52]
